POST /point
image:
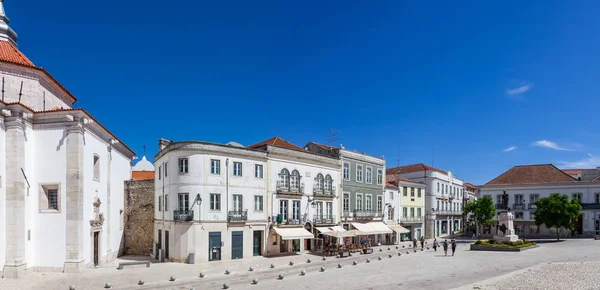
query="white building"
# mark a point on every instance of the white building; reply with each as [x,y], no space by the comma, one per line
[211,201]
[302,196]
[393,213]
[62,174]
[528,183]
[443,202]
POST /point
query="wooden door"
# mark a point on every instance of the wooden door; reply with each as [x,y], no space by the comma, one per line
[96,234]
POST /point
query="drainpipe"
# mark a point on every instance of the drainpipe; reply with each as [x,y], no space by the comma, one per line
[227,189]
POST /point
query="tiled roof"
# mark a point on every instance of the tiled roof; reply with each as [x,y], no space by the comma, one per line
[276,141]
[397,178]
[532,174]
[573,171]
[9,53]
[412,168]
[469,185]
[142,175]
[326,147]
[597,179]
[391,185]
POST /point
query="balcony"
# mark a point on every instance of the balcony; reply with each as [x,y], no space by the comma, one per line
[499,206]
[323,219]
[183,215]
[286,188]
[411,219]
[291,221]
[532,206]
[324,192]
[590,205]
[237,216]
[447,212]
[367,213]
[518,206]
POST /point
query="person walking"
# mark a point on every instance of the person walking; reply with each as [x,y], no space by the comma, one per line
[422,242]
[445,245]
[453,246]
[435,245]
[415,244]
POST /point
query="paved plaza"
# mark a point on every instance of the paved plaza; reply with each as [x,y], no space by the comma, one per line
[421,270]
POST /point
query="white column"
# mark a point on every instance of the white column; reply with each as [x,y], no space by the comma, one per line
[74,211]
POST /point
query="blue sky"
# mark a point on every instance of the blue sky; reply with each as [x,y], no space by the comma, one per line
[467,80]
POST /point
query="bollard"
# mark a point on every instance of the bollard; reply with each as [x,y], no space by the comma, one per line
[254,281]
[354,263]
[225,285]
[250,269]
[201,275]
[141,282]
[368,260]
[322,269]
[324,258]
[227,272]
[272,266]
[308,261]
[339,265]
[302,273]
[291,263]
[72,287]
[399,254]
[280,277]
[107,285]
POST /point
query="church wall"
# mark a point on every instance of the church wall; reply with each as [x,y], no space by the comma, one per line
[34,86]
[120,172]
[47,167]
[2,193]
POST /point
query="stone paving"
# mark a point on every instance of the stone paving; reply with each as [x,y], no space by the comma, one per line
[421,270]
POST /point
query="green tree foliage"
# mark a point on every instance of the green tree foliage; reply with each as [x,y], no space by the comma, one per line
[482,211]
[557,211]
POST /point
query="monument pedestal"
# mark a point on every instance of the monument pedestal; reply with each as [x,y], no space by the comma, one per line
[506,219]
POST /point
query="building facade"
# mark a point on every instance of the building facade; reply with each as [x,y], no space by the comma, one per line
[528,183]
[411,206]
[62,175]
[443,197]
[211,202]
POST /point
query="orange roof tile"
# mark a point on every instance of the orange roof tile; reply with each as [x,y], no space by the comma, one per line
[469,185]
[9,53]
[532,174]
[142,175]
[572,171]
[396,178]
[326,147]
[276,141]
[412,168]
[391,185]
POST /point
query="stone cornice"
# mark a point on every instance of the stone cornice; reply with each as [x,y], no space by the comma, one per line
[284,153]
[362,157]
[205,147]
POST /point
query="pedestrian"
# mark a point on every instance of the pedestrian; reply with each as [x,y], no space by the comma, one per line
[445,245]
[415,244]
[453,246]
[422,242]
[473,236]
[435,245]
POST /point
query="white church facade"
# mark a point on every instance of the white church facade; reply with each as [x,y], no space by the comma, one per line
[61,173]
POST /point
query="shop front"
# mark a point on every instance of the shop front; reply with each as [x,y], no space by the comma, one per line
[287,240]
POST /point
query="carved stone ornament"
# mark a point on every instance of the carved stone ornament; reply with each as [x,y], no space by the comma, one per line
[98,217]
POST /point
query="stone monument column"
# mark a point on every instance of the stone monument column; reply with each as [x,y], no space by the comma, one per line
[430,225]
[15,197]
[74,196]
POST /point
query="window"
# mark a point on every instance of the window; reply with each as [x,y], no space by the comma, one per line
[405,191]
[438,206]
[391,195]
[237,168]
[284,178]
[419,192]
[166,202]
[159,172]
[283,209]
[258,203]
[215,201]
[184,203]
[296,210]
[418,212]
[328,183]
[369,175]
[215,166]
[380,203]
[166,167]
[405,212]
[519,215]
[49,198]
[346,171]
[533,198]
[238,204]
[258,171]
[183,165]
[346,202]
[320,208]
[438,187]
[379,176]
[295,179]
[96,167]
[359,201]
[359,173]
[368,202]
[519,199]
[319,180]
[499,199]
[160,199]
[412,212]
[412,191]
[597,198]
[577,196]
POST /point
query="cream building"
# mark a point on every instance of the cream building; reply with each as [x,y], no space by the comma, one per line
[411,206]
[62,174]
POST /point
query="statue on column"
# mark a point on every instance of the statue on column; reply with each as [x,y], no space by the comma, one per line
[505,201]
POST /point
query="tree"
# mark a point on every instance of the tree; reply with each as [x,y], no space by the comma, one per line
[557,211]
[482,211]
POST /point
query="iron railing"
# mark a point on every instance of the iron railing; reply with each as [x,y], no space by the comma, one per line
[367,213]
[519,206]
[183,215]
[237,216]
[324,192]
[324,219]
[283,188]
[412,219]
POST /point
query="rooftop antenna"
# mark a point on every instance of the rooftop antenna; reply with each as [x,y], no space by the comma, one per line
[333,135]
[398,157]
[144,150]
[21,92]
[44,108]
[433,157]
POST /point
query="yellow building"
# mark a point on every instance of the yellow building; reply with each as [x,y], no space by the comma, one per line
[411,205]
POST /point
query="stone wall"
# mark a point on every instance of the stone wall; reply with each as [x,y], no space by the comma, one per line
[139,217]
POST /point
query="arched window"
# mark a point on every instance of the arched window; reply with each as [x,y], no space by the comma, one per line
[295,179]
[319,182]
[285,178]
[328,183]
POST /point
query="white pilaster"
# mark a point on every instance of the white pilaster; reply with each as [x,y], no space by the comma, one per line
[74,211]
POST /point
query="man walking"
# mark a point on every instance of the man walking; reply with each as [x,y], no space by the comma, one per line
[422,242]
[453,246]
[445,245]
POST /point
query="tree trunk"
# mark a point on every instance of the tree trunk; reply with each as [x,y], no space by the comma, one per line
[557,237]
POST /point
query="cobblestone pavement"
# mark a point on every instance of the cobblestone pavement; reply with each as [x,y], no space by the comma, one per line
[421,270]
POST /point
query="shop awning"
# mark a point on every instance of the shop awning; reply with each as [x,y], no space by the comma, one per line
[365,229]
[293,233]
[399,229]
[380,227]
[330,229]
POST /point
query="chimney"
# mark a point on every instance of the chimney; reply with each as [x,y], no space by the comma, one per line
[162,143]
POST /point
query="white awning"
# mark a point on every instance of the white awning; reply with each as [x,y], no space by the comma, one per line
[365,229]
[293,233]
[380,227]
[399,229]
[330,229]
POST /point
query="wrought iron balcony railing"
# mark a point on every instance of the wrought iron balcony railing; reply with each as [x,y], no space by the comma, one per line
[532,206]
[287,188]
[367,213]
[412,219]
[521,206]
[324,192]
[238,216]
[183,215]
[499,206]
[324,219]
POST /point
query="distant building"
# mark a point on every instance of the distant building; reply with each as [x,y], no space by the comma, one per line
[526,184]
[142,170]
[411,206]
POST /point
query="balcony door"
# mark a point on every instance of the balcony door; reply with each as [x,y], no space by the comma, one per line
[320,209]
[237,203]
[296,211]
[519,199]
[184,203]
[329,210]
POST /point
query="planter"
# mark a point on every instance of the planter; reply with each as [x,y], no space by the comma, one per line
[500,249]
